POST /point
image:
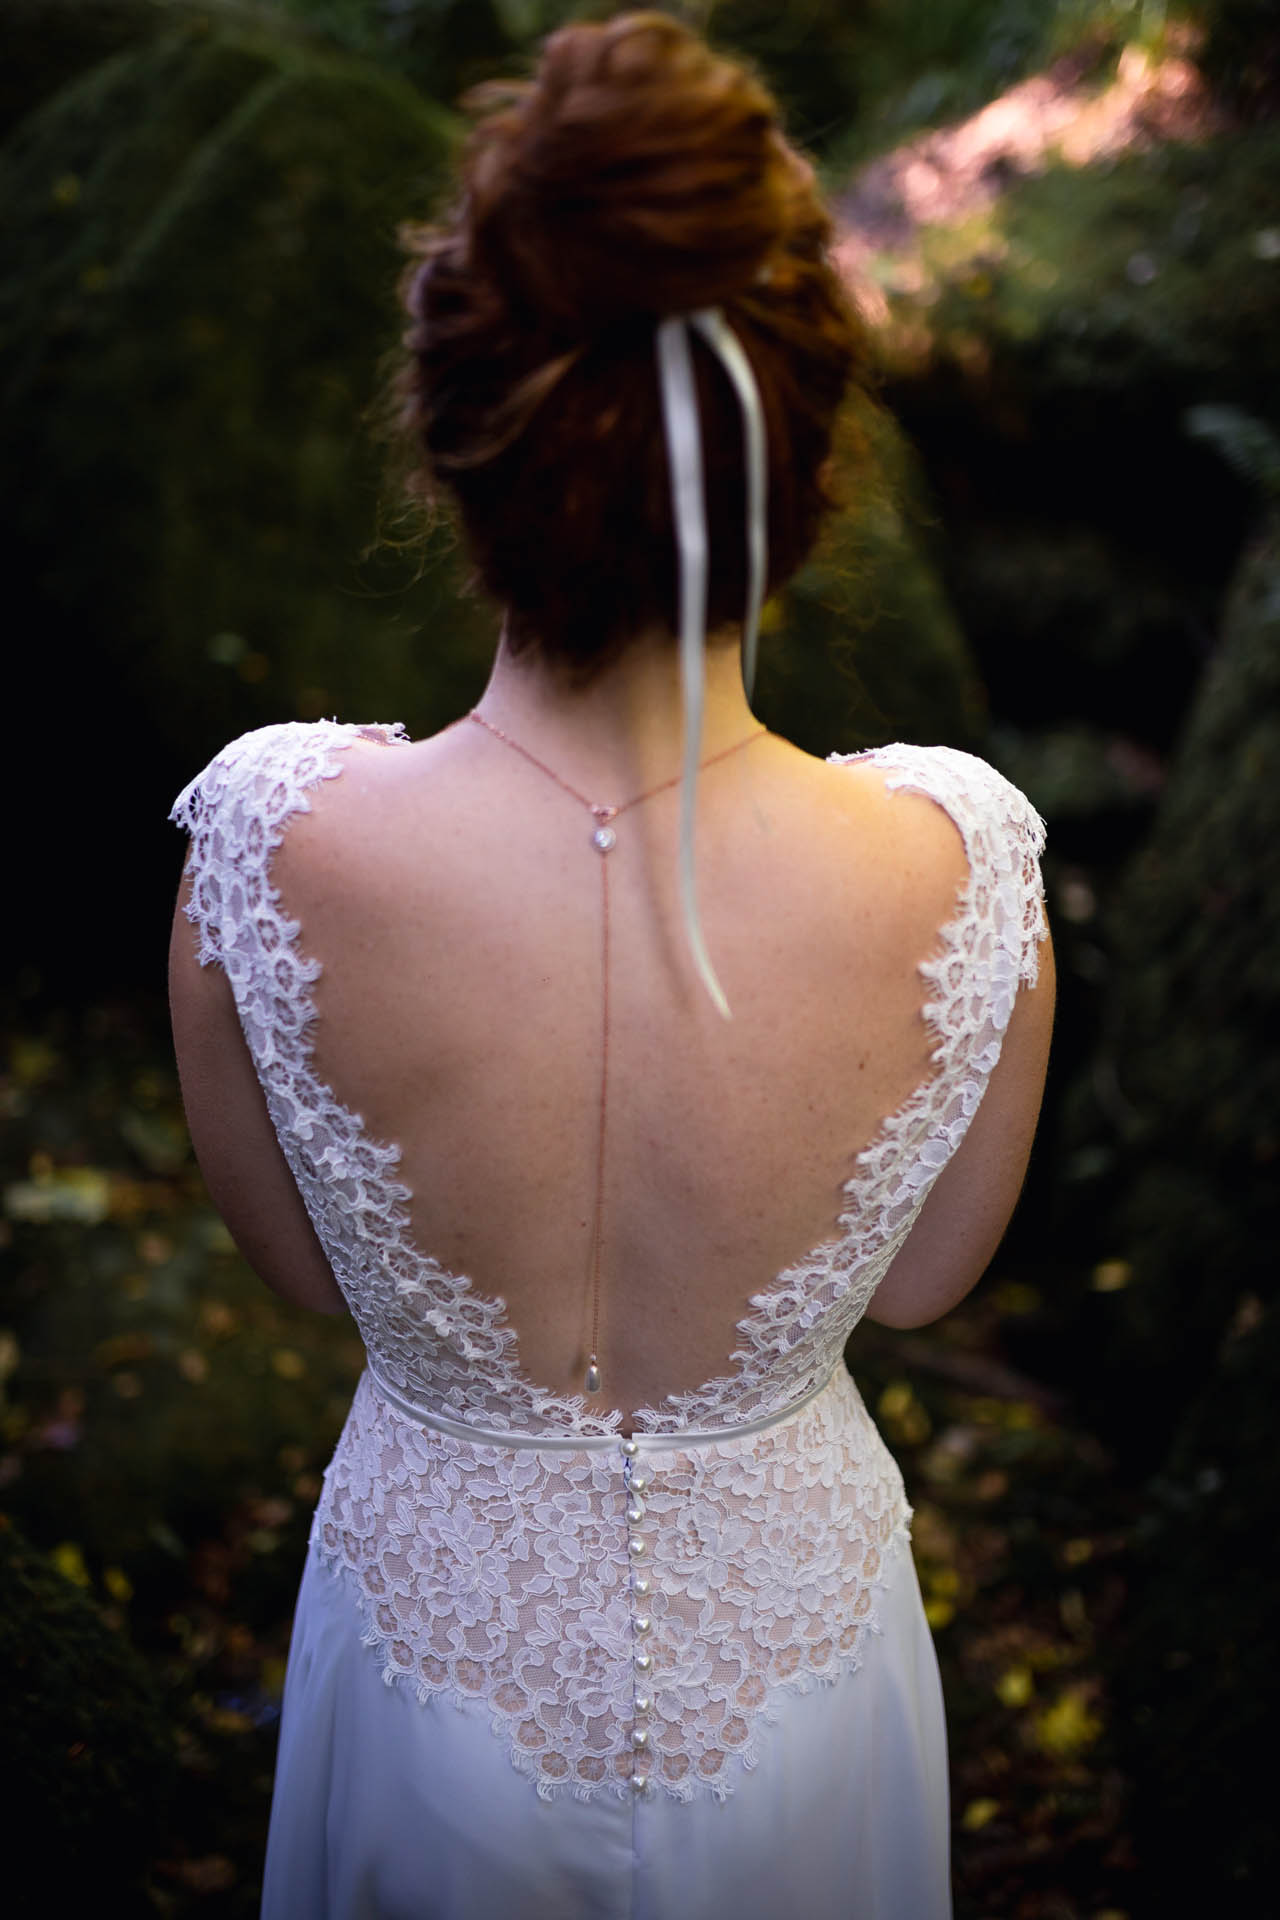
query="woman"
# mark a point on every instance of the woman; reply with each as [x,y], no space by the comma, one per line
[608,1517]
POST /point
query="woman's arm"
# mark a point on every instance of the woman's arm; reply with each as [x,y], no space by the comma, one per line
[963,1220]
[247,1175]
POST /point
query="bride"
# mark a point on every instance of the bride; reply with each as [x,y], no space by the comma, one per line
[607,1058]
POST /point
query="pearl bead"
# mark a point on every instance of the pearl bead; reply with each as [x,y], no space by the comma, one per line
[639,1482]
[640,1584]
[604,839]
[639,1738]
[643,1661]
[643,1703]
[636,1547]
[639,1781]
[593,1378]
[635,1513]
[631,1448]
[643,1624]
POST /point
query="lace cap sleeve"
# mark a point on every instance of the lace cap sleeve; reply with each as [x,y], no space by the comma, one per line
[1003,837]
[235,812]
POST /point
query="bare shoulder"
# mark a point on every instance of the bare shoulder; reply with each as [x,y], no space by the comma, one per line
[894,842]
[350,852]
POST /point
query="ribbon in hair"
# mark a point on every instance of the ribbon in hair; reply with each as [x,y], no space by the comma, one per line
[688,500]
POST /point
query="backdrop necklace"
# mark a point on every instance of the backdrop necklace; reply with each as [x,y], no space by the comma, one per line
[683,430]
[604,839]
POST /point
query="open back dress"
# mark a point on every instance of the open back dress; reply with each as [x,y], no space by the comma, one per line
[543,1670]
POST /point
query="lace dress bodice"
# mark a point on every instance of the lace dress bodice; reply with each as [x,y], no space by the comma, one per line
[628,1609]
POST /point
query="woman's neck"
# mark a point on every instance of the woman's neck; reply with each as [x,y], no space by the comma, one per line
[625,727]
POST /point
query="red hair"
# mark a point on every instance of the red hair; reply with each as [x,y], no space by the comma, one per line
[637,175]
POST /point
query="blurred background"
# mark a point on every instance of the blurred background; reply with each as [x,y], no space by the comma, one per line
[1062,219]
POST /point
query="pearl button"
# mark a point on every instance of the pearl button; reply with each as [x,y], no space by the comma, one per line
[636,1547]
[642,1703]
[640,1584]
[639,1481]
[639,1738]
[643,1661]
[631,1448]
[643,1623]
[635,1512]
[639,1781]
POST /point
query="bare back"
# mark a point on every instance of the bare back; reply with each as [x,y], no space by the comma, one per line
[451,896]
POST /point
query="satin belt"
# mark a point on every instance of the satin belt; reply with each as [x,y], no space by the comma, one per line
[587,1442]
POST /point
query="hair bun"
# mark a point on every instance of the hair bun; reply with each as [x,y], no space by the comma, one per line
[637,173]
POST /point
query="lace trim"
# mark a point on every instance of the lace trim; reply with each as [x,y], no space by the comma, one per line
[433,1336]
[992,942]
[504,1575]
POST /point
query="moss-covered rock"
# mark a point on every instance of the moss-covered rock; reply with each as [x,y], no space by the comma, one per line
[85,1751]
[1197,951]
[863,646]
[200,283]
[1176,1120]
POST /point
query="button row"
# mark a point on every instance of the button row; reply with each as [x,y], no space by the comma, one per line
[636,1484]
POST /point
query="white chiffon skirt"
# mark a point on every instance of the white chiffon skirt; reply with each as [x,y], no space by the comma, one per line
[386,1809]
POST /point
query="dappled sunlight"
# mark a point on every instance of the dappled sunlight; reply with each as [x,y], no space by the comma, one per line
[949,175]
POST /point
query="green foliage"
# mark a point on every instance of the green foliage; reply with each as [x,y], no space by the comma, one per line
[1158,266]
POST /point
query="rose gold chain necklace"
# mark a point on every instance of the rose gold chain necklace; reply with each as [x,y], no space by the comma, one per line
[604,839]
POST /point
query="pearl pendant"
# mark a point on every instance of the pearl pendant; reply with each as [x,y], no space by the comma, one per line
[604,839]
[593,1376]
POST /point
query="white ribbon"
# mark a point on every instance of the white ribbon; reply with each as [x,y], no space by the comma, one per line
[688,502]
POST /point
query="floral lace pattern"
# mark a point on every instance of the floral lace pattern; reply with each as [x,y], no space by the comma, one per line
[506,1575]
[502,1572]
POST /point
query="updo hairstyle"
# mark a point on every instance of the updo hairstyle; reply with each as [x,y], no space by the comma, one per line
[637,175]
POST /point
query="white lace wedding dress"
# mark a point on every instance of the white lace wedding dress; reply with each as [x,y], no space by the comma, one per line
[540,1672]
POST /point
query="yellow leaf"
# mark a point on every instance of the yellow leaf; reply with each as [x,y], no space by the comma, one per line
[272,1676]
[118,1584]
[1067,1727]
[977,1814]
[1015,1686]
[896,1400]
[939,1614]
[69,1561]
